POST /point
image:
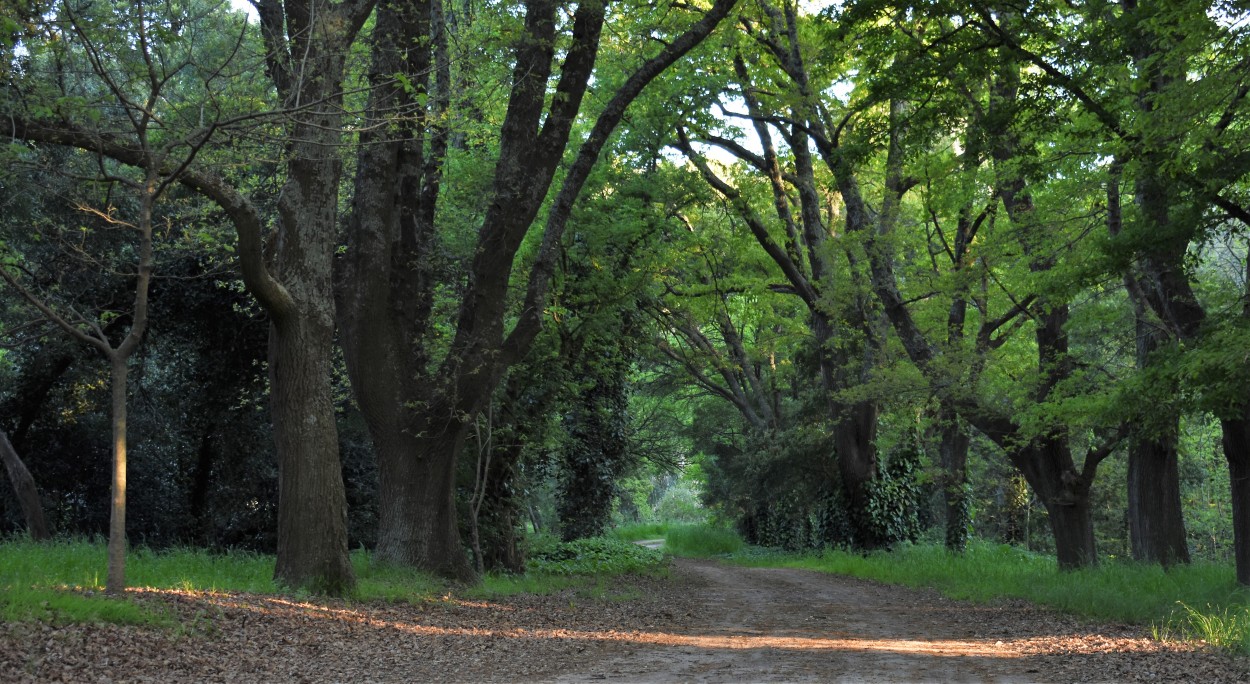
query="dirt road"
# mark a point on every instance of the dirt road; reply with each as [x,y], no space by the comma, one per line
[706,622]
[768,624]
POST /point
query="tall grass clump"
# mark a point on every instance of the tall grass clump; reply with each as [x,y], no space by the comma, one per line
[1226,627]
[701,541]
[377,581]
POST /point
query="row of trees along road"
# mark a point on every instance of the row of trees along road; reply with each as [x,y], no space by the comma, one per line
[854,254]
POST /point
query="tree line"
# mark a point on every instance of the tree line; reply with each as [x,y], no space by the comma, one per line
[442,255]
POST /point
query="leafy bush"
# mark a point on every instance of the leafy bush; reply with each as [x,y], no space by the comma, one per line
[595,555]
[681,504]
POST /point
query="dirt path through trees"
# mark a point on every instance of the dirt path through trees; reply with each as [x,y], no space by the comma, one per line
[769,624]
[706,622]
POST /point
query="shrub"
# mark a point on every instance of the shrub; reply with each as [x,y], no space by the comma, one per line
[591,556]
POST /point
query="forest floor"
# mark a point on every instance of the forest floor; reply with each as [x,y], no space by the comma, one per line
[704,622]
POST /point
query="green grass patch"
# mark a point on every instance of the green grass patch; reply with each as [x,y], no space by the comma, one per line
[63,580]
[1115,591]
[640,531]
[377,581]
[701,541]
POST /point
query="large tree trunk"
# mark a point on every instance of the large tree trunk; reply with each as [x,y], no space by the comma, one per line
[312,504]
[855,434]
[417,507]
[307,43]
[1048,468]
[24,489]
[1072,526]
[1156,523]
[1236,435]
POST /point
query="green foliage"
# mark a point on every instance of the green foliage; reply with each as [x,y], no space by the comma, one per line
[894,498]
[680,504]
[1226,627]
[640,531]
[701,541]
[590,556]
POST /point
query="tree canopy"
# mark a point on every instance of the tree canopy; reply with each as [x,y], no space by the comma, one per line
[853,273]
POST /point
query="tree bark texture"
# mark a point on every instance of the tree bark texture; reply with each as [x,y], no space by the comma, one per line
[1048,468]
[417,524]
[1236,437]
[1156,524]
[24,489]
[1155,515]
[953,453]
[307,43]
[312,504]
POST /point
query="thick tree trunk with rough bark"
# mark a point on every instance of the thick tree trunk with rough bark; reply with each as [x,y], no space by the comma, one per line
[307,43]
[312,504]
[1048,468]
[24,489]
[1155,519]
[418,526]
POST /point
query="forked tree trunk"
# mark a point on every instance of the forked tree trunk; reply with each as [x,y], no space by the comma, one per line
[1048,468]
[24,489]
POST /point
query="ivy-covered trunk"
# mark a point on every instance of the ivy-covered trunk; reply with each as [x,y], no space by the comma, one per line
[953,452]
[597,452]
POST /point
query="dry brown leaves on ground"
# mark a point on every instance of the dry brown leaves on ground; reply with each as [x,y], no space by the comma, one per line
[706,622]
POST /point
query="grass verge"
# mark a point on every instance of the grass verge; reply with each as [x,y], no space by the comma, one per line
[640,531]
[701,541]
[62,581]
[1197,601]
